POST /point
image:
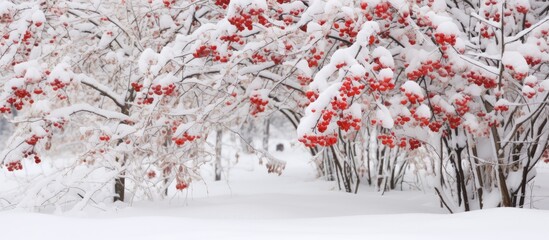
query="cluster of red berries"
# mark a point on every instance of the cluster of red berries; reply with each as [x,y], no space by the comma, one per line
[257,104]
[258,58]
[166,90]
[453,120]
[205,51]
[529,92]
[181,185]
[490,2]
[104,138]
[442,39]
[345,122]
[413,98]
[348,29]
[480,80]
[496,16]
[277,58]
[339,103]
[411,143]
[234,38]
[296,12]
[37,159]
[179,141]
[435,126]
[17,105]
[414,143]
[382,11]
[5,109]
[222,3]
[26,37]
[233,97]
[351,86]
[387,140]
[377,64]
[13,166]
[400,120]
[20,94]
[437,109]
[363,5]
[421,120]
[501,108]
[425,68]
[462,104]
[532,61]
[325,119]
[60,124]
[316,56]
[57,84]
[323,140]
[211,50]
[445,71]
[486,32]
[245,20]
[493,123]
[136,86]
[151,174]
[304,80]
[311,95]
[517,75]
[26,154]
[340,65]
[146,100]
[402,19]
[382,85]
[168,3]
[33,140]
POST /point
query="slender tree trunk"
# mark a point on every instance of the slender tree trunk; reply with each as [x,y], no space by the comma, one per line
[266,135]
[120,181]
[119,188]
[218,150]
[479,177]
[462,179]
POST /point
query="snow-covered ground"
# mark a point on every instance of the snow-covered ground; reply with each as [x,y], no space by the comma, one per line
[295,205]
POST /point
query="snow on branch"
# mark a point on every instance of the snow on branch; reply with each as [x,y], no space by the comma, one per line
[526,31]
[491,23]
[490,69]
[84,107]
[106,91]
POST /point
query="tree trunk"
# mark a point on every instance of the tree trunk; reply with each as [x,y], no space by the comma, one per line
[120,182]
[266,135]
[218,150]
[119,187]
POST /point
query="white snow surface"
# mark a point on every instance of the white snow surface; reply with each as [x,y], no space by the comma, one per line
[295,205]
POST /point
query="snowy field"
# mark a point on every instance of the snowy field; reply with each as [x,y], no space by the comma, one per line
[295,205]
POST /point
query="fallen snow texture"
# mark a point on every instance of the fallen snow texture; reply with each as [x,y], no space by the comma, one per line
[489,224]
[254,205]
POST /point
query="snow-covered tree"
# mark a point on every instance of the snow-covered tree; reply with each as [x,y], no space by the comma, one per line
[460,84]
